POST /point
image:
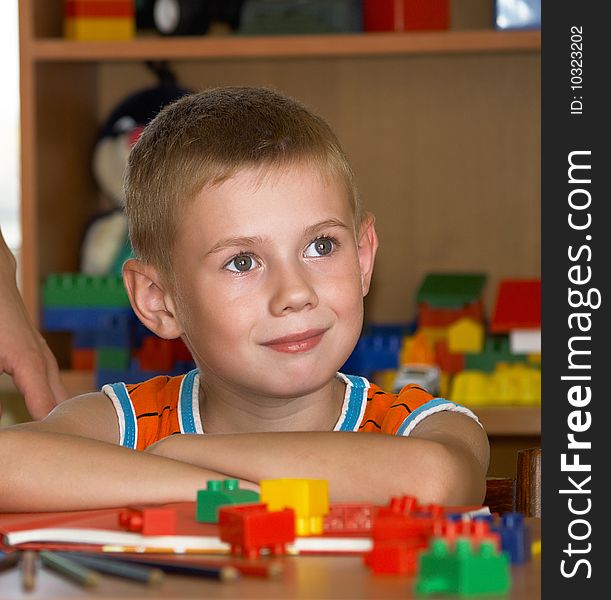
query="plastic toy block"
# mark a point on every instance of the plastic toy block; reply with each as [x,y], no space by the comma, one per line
[471,387]
[115,330]
[417,349]
[149,520]
[535,548]
[98,8]
[85,291]
[78,318]
[405,15]
[517,306]
[447,361]
[220,493]
[99,28]
[374,353]
[82,359]
[462,570]
[409,505]
[516,384]
[450,290]
[83,339]
[465,336]
[250,528]
[309,498]
[397,556]
[516,537]
[433,317]
[156,354]
[496,350]
[476,531]
[112,358]
[349,518]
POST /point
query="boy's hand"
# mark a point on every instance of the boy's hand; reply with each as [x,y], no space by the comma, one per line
[24,354]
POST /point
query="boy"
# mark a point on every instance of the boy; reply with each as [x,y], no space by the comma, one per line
[253,247]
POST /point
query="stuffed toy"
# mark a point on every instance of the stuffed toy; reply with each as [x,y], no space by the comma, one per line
[106,244]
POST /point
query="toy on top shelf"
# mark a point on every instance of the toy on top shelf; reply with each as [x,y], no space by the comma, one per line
[309,498]
[220,493]
[99,20]
[405,15]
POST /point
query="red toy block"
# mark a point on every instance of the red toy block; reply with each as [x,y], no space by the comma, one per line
[156,354]
[99,8]
[447,361]
[408,506]
[398,556]
[349,518]
[249,528]
[476,530]
[149,520]
[518,305]
[83,359]
[429,316]
[405,15]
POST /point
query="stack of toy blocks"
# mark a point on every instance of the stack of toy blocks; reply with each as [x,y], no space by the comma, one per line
[220,493]
[98,20]
[106,335]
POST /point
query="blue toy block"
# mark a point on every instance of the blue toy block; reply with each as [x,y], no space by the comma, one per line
[82,340]
[516,537]
[79,319]
[115,330]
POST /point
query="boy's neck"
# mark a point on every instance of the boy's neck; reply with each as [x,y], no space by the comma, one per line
[227,411]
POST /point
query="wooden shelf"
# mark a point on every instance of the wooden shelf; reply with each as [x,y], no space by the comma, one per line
[348,45]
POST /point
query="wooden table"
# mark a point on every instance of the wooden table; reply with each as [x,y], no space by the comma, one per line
[307,577]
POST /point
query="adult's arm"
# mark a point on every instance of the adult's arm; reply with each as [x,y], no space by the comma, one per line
[24,354]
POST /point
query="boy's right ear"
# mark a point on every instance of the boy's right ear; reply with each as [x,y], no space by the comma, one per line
[152,303]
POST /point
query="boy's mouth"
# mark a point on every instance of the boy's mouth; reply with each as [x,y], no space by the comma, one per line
[297,342]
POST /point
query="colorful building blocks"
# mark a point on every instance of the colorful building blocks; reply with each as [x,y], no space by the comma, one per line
[220,493]
[451,290]
[309,498]
[99,20]
[84,291]
[250,528]
[149,520]
[516,537]
[395,556]
[462,569]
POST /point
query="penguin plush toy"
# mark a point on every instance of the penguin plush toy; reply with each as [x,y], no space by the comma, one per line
[106,244]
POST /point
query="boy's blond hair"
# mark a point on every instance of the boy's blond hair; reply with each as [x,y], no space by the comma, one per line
[203,139]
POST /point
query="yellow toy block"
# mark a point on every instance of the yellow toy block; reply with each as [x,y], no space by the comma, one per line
[516,384]
[309,498]
[96,29]
[471,387]
[466,336]
[444,385]
[385,378]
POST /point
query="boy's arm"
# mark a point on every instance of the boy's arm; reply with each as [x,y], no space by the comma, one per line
[444,460]
[71,461]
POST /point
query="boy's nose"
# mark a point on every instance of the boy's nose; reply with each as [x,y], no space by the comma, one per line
[292,292]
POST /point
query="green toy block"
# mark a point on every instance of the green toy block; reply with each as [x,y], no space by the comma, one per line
[450,290]
[112,358]
[220,493]
[496,350]
[463,570]
[84,291]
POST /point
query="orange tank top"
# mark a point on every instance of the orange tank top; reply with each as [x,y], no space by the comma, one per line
[149,411]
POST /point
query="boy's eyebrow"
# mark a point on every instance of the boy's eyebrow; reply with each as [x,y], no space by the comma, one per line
[245,241]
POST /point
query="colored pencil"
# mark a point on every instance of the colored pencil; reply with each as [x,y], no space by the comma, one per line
[120,568]
[29,569]
[70,569]
[8,561]
[271,569]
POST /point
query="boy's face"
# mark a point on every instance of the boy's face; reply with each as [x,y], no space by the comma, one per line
[271,278]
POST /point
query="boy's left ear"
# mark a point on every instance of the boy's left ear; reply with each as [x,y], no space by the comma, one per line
[367,248]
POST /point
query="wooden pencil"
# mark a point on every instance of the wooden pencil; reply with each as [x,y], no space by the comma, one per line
[8,561]
[119,568]
[70,569]
[29,568]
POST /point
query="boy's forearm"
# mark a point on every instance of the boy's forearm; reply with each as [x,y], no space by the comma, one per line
[42,471]
[358,467]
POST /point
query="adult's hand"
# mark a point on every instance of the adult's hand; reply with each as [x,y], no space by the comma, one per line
[24,354]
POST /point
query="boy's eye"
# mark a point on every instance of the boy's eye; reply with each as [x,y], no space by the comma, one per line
[241,263]
[320,247]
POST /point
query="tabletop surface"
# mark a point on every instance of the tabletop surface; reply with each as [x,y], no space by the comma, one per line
[308,577]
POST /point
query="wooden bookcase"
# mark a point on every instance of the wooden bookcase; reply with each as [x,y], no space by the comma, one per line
[442,128]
